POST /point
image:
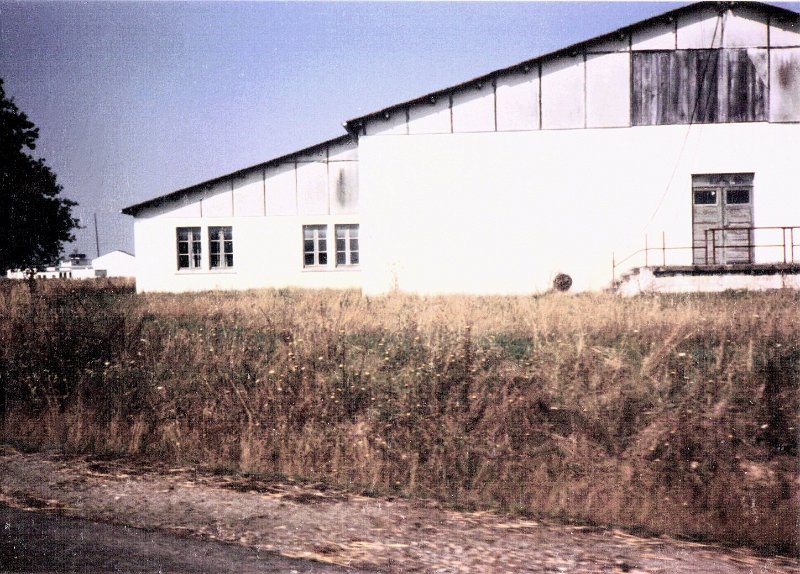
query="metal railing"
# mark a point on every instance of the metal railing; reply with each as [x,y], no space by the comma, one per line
[715,246]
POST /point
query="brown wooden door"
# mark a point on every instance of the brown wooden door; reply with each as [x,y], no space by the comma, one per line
[722,213]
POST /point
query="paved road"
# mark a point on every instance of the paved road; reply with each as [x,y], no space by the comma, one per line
[41,542]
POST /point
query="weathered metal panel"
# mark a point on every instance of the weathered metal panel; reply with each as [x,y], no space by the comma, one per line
[248,194]
[345,151]
[656,36]
[430,117]
[281,189]
[319,154]
[563,95]
[518,101]
[343,187]
[312,188]
[608,94]
[620,43]
[744,27]
[218,200]
[473,109]
[784,94]
[784,32]
[743,91]
[392,123]
[699,86]
[700,29]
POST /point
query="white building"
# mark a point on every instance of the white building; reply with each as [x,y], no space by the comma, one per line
[116,263]
[75,266]
[664,134]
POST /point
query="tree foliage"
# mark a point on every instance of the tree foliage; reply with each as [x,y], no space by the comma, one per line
[34,219]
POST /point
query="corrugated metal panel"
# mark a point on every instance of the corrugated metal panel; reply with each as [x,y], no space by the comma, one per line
[518,101]
[312,188]
[656,36]
[563,100]
[699,86]
[281,189]
[608,93]
[745,28]
[473,110]
[430,118]
[784,85]
[700,29]
[343,187]
[248,194]
[218,201]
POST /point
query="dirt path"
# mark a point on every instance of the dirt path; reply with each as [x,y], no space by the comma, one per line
[44,542]
[383,534]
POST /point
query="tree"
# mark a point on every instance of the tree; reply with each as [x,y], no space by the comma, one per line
[35,222]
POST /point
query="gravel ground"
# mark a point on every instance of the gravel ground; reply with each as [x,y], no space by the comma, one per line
[331,526]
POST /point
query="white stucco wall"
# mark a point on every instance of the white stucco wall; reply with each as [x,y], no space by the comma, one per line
[268,252]
[504,212]
[116,264]
[266,207]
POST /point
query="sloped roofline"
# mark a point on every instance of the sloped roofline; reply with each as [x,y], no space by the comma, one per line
[354,126]
[184,192]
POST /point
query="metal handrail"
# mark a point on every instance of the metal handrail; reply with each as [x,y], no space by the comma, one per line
[787,247]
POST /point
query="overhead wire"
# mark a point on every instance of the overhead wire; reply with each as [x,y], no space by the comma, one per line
[692,117]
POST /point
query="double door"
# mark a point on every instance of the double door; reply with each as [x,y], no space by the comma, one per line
[722,219]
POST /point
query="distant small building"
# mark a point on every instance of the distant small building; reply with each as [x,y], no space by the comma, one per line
[116,264]
[75,266]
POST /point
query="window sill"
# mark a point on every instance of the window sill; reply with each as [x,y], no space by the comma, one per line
[228,271]
[321,269]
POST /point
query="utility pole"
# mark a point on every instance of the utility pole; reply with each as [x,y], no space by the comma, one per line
[96,237]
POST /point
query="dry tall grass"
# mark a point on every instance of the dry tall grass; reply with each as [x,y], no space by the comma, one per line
[674,414]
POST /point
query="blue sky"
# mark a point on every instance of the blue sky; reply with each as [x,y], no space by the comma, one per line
[134,100]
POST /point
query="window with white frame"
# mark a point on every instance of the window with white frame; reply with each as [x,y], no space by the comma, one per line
[315,245]
[220,247]
[189,247]
[347,244]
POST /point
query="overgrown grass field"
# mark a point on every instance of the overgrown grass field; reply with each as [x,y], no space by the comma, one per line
[671,414]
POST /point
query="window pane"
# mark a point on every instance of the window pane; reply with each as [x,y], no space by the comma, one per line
[323,258]
[196,258]
[353,244]
[323,232]
[229,247]
[214,260]
[183,261]
[354,258]
[738,196]
[183,247]
[705,196]
[341,258]
[308,233]
[354,232]
[229,260]
[340,232]
[323,245]
[308,245]
[340,243]
[308,259]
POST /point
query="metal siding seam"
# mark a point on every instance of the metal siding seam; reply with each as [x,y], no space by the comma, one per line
[328,177]
[494,96]
[408,120]
[296,190]
[233,211]
[264,188]
[585,94]
[539,66]
[451,112]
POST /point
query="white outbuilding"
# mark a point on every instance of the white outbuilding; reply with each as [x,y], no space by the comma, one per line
[116,263]
[666,150]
